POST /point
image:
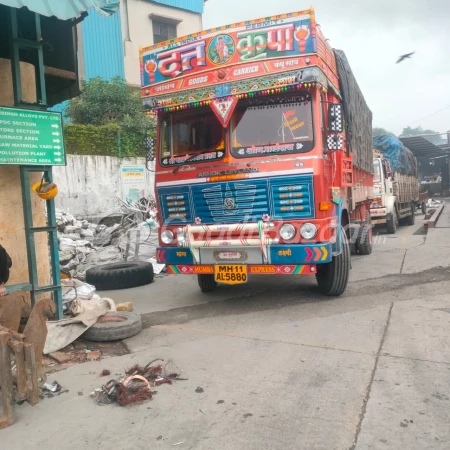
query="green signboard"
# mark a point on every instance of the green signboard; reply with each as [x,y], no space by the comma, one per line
[32,138]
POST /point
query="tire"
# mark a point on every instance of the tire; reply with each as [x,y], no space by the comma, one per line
[114,326]
[411,220]
[391,223]
[332,277]
[207,283]
[424,207]
[365,237]
[123,275]
[353,241]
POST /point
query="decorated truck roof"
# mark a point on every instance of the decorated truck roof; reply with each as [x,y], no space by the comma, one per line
[246,57]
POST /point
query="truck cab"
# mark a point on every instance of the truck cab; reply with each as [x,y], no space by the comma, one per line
[382,210]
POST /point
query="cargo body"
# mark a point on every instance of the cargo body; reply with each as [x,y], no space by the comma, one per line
[396,185]
[263,154]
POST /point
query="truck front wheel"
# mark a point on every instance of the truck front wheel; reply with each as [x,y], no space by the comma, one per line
[365,238]
[332,277]
[207,283]
[424,207]
[411,220]
[391,223]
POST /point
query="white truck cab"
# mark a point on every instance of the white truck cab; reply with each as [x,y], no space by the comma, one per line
[395,196]
[383,204]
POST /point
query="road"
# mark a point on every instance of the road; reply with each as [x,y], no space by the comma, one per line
[281,366]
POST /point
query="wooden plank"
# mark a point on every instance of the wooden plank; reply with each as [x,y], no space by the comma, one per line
[30,361]
[59,73]
[6,381]
[17,347]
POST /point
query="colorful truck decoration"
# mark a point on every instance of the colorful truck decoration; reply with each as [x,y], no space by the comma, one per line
[260,164]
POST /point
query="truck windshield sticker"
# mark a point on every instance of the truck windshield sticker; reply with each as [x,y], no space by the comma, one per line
[185,133]
[280,125]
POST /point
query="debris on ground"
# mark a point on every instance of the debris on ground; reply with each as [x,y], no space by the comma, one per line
[51,390]
[63,332]
[78,352]
[199,390]
[105,373]
[52,387]
[127,306]
[433,203]
[123,236]
[138,384]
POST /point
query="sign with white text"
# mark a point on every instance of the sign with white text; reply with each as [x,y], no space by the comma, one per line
[29,137]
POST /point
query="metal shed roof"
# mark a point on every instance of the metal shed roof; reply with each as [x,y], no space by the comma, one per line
[421,147]
[64,9]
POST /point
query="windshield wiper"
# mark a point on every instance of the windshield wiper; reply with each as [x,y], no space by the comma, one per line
[192,157]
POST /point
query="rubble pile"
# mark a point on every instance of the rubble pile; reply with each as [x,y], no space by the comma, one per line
[83,245]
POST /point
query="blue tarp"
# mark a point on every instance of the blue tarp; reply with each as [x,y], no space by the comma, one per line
[64,9]
[401,158]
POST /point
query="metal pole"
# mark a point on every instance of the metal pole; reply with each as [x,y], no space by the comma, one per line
[15,59]
[54,251]
[41,72]
[29,234]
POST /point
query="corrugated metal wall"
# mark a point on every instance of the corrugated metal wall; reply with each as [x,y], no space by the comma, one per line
[103,46]
[196,6]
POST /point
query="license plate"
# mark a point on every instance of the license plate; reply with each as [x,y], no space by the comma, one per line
[230,274]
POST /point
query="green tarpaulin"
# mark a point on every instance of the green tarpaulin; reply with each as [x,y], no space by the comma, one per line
[64,9]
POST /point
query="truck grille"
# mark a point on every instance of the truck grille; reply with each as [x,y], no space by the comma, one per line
[239,201]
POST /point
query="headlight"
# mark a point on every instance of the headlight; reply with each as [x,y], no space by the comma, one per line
[167,237]
[308,231]
[181,236]
[287,232]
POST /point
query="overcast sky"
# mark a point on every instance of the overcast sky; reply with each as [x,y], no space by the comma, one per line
[373,34]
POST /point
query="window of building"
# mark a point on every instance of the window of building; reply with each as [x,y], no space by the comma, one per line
[163,31]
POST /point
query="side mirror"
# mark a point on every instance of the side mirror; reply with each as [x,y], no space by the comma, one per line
[149,144]
[335,118]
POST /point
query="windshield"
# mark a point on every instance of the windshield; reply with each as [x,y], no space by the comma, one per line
[376,171]
[273,125]
[187,133]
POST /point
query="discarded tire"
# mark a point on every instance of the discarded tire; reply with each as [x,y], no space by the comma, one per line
[121,275]
[114,326]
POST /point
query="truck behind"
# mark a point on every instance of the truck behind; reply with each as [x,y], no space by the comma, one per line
[396,184]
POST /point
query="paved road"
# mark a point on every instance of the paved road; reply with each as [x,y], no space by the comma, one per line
[281,367]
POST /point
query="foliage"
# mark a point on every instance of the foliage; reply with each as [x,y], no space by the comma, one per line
[381,131]
[417,131]
[104,102]
[104,140]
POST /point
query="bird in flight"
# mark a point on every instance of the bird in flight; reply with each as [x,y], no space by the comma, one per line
[403,57]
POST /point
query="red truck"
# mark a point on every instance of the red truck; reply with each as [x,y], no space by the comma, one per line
[263,154]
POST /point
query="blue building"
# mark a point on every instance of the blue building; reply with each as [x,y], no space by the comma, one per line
[110,45]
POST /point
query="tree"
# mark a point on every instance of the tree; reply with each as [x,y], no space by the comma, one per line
[381,131]
[417,131]
[102,102]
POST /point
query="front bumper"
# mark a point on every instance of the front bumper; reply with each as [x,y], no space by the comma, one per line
[297,254]
[378,216]
[266,269]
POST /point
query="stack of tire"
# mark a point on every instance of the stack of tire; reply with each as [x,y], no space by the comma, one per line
[119,325]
